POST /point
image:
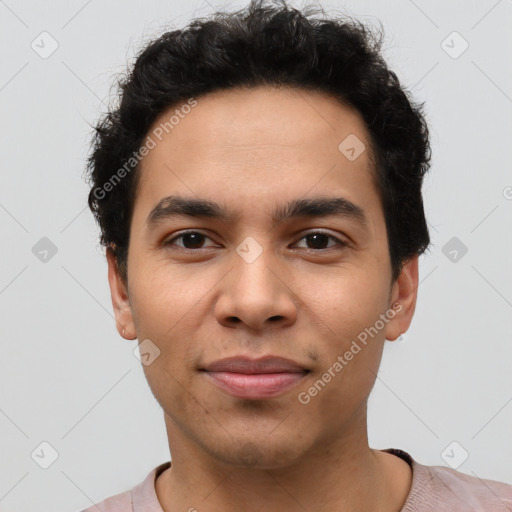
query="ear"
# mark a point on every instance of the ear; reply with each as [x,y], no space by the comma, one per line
[120,300]
[403,293]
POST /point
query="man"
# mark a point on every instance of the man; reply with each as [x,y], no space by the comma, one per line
[238,146]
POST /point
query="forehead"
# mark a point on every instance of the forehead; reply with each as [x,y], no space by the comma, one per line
[258,143]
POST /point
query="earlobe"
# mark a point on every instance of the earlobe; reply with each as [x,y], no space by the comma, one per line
[120,299]
[404,292]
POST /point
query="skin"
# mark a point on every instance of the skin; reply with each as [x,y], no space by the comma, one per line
[253,150]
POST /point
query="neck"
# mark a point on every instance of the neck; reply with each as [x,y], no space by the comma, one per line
[343,475]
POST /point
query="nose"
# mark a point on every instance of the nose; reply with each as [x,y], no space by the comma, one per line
[256,295]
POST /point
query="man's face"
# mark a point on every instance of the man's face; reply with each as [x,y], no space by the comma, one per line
[301,287]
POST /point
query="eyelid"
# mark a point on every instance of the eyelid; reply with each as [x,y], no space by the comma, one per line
[180,234]
[340,243]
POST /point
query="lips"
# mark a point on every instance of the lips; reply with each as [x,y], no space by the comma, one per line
[244,377]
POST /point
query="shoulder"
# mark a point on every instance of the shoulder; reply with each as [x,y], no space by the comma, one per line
[449,490]
[472,492]
[121,502]
[444,489]
[142,498]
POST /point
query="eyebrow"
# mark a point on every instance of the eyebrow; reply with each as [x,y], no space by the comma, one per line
[173,206]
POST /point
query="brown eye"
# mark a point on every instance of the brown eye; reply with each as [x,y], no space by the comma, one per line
[190,240]
[319,240]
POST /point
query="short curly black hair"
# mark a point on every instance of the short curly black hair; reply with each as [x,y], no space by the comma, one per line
[276,45]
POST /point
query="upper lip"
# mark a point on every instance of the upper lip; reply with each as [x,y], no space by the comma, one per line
[248,365]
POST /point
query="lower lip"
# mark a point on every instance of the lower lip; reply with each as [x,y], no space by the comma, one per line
[256,386]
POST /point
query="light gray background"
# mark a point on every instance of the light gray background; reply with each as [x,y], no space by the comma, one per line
[69,379]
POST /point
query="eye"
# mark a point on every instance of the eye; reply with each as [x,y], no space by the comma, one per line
[319,238]
[191,240]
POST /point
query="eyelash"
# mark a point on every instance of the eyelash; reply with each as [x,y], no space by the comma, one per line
[341,244]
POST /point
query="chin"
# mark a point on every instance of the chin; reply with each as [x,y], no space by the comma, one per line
[258,453]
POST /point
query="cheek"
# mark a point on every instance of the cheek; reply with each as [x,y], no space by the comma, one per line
[347,308]
[346,300]
[164,293]
[343,388]
[168,386]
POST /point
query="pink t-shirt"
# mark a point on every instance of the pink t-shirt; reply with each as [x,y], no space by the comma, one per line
[434,489]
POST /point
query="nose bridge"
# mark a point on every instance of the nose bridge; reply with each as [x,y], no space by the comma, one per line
[253,265]
[255,292]
[254,273]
